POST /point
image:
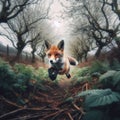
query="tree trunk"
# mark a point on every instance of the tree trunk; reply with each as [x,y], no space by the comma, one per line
[118,44]
[85,57]
[33,56]
[43,59]
[97,54]
[7,52]
[17,57]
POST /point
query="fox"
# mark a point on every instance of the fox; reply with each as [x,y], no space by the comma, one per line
[58,62]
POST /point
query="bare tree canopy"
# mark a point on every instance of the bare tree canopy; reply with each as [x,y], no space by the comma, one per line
[11,8]
[25,28]
[97,19]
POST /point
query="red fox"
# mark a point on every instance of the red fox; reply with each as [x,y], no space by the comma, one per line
[58,63]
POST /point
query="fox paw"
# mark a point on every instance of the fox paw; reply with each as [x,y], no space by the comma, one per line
[52,73]
[68,75]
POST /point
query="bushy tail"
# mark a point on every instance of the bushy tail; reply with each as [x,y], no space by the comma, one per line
[72,61]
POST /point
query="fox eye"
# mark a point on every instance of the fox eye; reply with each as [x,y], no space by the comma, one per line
[57,54]
[49,54]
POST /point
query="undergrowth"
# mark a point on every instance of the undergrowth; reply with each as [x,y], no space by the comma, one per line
[101,100]
[99,87]
[20,77]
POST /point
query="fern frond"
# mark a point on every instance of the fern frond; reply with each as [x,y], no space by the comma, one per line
[107,76]
[116,78]
[111,79]
[96,98]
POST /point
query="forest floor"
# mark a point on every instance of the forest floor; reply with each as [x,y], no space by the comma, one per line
[51,102]
[47,103]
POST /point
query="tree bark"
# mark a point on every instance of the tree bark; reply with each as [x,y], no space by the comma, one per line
[97,54]
[33,56]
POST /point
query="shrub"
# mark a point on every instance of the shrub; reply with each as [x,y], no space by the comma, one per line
[99,66]
[98,104]
[111,79]
[99,97]
[82,72]
[115,65]
[21,82]
[25,70]
[42,74]
[7,76]
[80,80]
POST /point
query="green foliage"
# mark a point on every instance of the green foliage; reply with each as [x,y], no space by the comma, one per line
[97,98]
[93,114]
[7,76]
[111,79]
[19,77]
[23,76]
[41,74]
[82,72]
[115,65]
[116,78]
[99,66]
[80,80]
[26,73]
[107,79]
[69,100]
[81,75]
[21,82]
[98,104]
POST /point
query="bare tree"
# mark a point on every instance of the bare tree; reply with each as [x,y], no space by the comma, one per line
[79,49]
[41,52]
[115,5]
[11,8]
[23,28]
[103,31]
[35,43]
[102,24]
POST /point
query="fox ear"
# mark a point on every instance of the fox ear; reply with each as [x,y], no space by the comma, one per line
[61,45]
[47,44]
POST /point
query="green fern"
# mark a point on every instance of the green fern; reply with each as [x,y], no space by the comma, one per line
[116,81]
[80,80]
[99,66]
[94,115]
[111,79]
[107,79]
[82,72]
[116,77]
[7,77]
[42,74]
[115,65]
[96,98]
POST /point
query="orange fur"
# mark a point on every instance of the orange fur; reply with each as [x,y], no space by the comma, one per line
[57,59]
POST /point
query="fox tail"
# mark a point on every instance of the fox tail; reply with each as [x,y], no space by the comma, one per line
[72,61]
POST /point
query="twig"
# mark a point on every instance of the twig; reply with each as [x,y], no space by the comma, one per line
[80,116]
[11,113]
[28,117]
[69,115]
[11,103]
[21,109]
[79,109]
[50,115]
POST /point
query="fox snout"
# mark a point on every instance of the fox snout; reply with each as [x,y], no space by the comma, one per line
[51,61]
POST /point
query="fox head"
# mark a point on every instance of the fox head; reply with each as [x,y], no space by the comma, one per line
[55,53]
